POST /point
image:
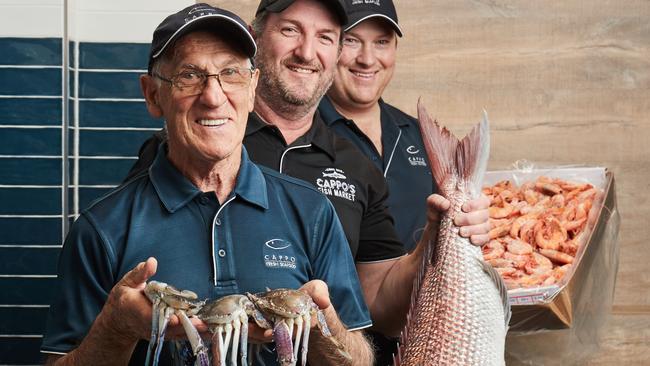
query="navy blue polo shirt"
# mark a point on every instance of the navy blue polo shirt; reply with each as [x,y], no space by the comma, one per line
[273,231]
[404,164]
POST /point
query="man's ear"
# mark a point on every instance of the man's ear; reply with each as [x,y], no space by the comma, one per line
[150,91]
[252,88]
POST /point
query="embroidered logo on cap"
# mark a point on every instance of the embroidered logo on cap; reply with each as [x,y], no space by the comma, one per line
[357,2]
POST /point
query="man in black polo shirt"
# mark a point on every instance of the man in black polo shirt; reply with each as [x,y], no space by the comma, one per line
[297,58]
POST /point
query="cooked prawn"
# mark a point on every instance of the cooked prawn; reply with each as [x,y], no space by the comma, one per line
[549,233]
[492,250]
[519,247]
[556,256]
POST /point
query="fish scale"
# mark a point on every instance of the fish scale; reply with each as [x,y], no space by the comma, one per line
[459,307]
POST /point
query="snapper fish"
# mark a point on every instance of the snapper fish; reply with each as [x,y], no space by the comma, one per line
[459,310]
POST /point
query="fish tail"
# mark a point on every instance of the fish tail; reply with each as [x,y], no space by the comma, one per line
[464,160]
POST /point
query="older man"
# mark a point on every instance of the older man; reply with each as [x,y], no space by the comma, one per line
[203,210]
[298,50]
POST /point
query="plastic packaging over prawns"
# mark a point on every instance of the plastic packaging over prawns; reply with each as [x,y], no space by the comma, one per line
[566,313]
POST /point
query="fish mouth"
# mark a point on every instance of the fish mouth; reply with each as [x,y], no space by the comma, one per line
[212,122]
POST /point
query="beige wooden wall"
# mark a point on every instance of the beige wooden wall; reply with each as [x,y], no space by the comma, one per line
[564,82]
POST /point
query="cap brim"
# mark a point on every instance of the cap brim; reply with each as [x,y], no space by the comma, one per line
[395,26]
[280,5]
[249,47]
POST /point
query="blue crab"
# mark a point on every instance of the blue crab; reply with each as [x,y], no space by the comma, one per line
[227,318]
[168,300]
[286,308]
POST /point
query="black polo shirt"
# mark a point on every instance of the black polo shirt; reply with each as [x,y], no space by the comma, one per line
[332,164]
[404,164]
[353,184]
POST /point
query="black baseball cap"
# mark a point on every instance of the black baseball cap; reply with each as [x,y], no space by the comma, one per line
[201,16]
[277,6]
[360,10]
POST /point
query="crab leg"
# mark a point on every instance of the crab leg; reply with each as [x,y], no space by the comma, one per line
[235,342]
[227,341]
[154,330]
[194,337]
[296,341]
[165,314]
[305,340]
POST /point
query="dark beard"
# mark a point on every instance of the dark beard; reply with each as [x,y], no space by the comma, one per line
[278,94]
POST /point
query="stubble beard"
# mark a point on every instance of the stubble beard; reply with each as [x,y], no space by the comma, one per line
[284,98]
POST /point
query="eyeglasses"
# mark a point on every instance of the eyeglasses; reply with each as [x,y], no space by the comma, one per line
[193,82]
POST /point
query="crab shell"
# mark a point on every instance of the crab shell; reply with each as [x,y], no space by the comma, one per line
[286,303]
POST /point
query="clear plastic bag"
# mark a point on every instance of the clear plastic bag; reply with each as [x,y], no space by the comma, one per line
[561,324]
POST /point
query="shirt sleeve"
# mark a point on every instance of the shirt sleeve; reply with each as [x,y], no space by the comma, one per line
[84,280]
[378,239]
[333,263]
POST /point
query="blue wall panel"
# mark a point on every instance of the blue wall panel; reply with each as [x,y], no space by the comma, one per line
[109,85]
[113,56]
[26,231]
[30,51]
[28,261]
[30,141]
[30,201]
[27,291]
[23,320]
[116,114]
[111,143]
[31,171]
[31,73]
[16,111]
[104,171]
[30,81]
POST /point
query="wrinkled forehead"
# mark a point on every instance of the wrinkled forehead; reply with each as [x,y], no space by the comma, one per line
[208,46]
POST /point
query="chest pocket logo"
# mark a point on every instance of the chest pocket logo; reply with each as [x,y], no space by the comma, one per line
[278,253]
[414,159]
[334,183]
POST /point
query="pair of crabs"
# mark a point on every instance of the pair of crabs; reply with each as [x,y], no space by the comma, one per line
[227,319]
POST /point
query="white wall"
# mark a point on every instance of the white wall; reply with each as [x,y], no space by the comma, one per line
[88,20]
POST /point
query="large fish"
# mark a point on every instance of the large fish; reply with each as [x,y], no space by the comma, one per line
[459,306]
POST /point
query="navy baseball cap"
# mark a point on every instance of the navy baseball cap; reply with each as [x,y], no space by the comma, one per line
[205,17]
[360,10]
[277,6]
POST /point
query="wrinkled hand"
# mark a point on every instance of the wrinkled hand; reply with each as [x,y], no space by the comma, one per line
[472,221]
[318,291]
[128,312]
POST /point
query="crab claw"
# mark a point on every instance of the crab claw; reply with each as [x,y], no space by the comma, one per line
[283,345]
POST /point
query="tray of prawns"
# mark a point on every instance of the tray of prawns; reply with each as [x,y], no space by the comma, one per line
[541,223]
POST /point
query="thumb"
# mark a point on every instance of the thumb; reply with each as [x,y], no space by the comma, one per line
[141,273]
[319,292]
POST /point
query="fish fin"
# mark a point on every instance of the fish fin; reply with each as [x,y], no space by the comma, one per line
[501,286]
[441,146]
[473,154]
[450,158]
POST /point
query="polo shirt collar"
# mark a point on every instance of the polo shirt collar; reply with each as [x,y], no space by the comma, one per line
[331,115]
[175,190]
[318,135]
[386,112]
